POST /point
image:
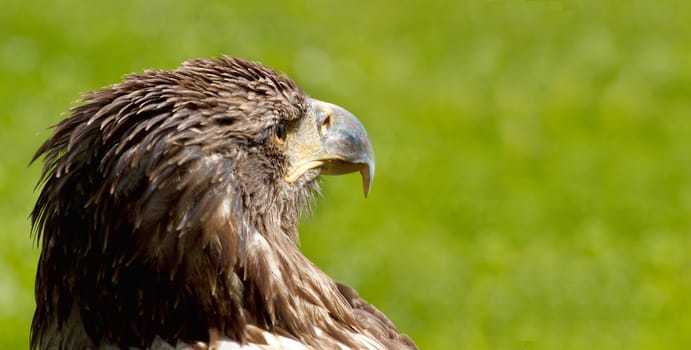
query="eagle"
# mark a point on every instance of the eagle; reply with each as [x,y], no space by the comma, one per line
[168,211]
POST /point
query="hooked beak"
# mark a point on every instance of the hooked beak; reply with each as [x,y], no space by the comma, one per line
[331,139]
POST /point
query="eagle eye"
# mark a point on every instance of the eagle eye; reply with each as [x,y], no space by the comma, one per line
[280,133]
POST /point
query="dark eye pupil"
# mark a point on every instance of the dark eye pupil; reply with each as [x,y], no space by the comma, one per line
[280,131]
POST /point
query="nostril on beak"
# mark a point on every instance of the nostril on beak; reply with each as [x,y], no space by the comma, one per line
[326,123]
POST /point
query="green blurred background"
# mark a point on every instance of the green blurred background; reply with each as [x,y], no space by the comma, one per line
[533,186]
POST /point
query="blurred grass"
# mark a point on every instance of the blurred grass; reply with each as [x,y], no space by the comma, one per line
[533,184]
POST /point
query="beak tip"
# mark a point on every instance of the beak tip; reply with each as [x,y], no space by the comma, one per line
[367,173]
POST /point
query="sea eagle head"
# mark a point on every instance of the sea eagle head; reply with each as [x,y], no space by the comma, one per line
[168,214]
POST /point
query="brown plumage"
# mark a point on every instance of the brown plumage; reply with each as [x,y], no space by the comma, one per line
[168,216]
